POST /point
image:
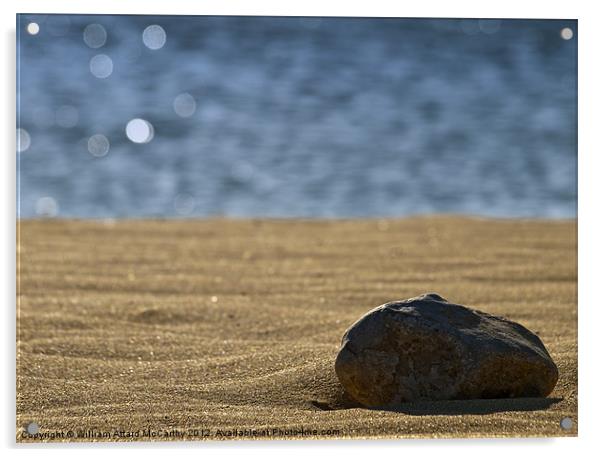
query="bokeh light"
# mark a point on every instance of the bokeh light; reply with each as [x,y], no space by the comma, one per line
[184,204]
[101,66]
[23,140]
[140,131]
[489,26]
[98,145]
[566,33]
[184,105]
[33,28]
[67,116]
[469,26]
[95,36]
[242,171]
[310,22]
[47,207]
[185,96]
[154,37]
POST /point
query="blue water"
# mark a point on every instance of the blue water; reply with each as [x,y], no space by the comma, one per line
[297,117]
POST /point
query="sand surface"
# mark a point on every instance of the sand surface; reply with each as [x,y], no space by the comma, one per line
[214,329]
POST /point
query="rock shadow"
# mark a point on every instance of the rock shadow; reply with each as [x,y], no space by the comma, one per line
[461,407]
[338,401]
[341,400]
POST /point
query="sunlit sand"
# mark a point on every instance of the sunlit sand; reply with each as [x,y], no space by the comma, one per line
[231,327]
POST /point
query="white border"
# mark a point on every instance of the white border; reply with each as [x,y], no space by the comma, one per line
[590,229]
[375,8]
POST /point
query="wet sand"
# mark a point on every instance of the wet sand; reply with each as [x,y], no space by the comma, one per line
[222,329]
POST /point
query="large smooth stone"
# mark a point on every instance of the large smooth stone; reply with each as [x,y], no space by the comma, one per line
[426,348]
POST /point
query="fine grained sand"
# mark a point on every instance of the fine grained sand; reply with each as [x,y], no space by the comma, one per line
[229,328]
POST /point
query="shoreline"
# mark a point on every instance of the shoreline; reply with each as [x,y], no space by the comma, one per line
[215,218]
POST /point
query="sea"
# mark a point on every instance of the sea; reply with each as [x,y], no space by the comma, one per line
[295,117]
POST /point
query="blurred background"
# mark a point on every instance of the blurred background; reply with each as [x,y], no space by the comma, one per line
[183,116]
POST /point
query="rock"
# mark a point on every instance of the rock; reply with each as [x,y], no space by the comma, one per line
[426,348]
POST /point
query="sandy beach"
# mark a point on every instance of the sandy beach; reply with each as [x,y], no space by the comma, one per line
[228,329]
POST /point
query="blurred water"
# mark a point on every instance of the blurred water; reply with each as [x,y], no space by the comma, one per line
[286,117]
